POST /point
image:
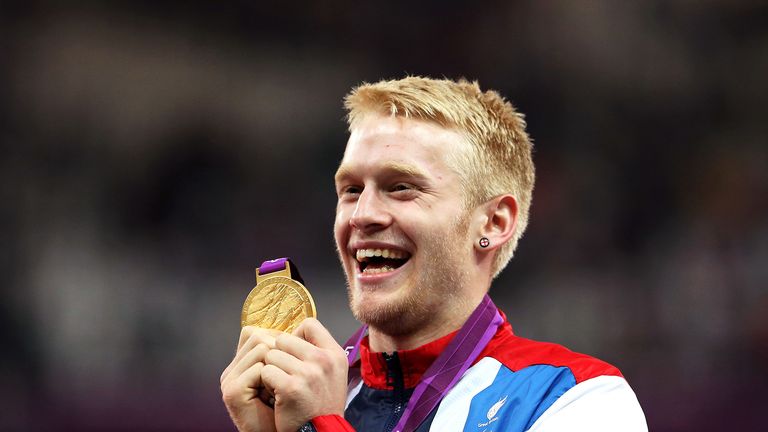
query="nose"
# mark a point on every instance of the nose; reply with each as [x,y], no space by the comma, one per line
[370,213]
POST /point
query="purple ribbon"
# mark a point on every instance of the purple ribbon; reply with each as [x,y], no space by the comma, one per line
[352,347]
[449,366]
[272,265]
[279,264]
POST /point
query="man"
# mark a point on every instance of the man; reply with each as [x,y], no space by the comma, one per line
[433,196]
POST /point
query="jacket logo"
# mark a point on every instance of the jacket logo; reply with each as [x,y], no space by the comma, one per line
[495,408]
[491,415]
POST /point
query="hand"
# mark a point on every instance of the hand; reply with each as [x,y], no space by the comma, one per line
[241,382]
[307,372]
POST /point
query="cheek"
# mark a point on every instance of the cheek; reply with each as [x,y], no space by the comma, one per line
[340,225]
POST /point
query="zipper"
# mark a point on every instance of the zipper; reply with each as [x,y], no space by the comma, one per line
[396,381]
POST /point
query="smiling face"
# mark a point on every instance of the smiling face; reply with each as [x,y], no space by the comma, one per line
[402,227]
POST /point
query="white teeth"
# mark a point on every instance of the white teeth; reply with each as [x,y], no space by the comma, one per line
[384,269]
[362,254]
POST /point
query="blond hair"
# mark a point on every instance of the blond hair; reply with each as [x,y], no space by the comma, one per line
[499,161]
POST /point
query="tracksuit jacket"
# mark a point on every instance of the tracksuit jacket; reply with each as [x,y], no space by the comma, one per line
[516,384]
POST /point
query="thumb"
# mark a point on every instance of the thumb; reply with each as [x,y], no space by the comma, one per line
[315,333]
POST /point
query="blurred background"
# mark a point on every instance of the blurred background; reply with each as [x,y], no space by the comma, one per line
[155,153]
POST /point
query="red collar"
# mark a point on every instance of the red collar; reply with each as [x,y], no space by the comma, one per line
[413,362]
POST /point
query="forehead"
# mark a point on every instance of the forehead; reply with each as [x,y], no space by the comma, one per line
[404,143]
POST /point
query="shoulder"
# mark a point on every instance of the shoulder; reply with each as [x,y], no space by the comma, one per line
[600,404]
[554,388]
[517,353]
[520,385]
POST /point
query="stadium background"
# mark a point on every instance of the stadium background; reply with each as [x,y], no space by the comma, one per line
[153,153]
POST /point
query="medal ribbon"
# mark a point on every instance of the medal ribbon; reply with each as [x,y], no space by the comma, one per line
[279,264]
[352,347]
[449,366]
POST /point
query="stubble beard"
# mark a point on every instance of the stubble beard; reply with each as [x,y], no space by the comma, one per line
[435,293]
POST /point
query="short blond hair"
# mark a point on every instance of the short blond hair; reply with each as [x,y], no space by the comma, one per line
[499,161]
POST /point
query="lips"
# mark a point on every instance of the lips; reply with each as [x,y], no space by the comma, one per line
[380,260]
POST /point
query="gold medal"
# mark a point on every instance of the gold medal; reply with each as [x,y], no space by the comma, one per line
[277,302]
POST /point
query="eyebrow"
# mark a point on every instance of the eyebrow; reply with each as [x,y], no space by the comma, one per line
[391,168]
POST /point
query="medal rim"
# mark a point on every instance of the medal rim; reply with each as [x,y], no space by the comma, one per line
[293,283]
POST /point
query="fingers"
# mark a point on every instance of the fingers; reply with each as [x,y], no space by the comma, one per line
[245,359]
[316,334]
[284,361]
[255,336]
[251,377]
[306,380]
[250,337]
[249,332]
[309,335]
[275,378]
[307,377]
[250,358]
[294,346]
[245,333]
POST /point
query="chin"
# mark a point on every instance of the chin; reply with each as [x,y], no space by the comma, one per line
[366,304]
[392,313]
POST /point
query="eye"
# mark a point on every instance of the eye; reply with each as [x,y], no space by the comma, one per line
[349,191]
[401,187]
[403,190]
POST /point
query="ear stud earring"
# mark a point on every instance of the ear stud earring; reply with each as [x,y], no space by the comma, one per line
[484,242]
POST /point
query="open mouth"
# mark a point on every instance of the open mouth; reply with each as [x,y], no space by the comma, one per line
[374,261]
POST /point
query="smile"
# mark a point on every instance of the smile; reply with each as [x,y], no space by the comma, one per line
[376,261]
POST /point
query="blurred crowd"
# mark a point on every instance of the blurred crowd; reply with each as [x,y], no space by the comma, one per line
[154,154]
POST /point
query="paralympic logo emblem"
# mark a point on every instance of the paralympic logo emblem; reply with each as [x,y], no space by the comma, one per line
[491,414]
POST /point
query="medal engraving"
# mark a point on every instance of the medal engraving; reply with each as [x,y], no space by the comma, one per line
[277,303]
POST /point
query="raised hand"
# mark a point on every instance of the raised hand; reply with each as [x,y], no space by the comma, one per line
[242,389]
[307,373]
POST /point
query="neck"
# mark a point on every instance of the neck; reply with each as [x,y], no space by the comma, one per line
[437,326]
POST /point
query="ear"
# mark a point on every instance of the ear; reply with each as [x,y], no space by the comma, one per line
[496,221]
